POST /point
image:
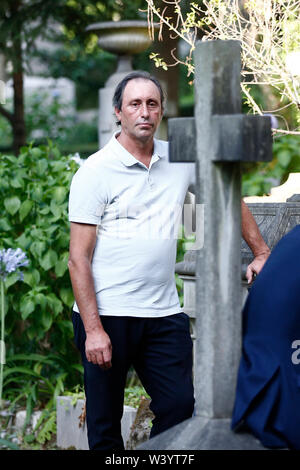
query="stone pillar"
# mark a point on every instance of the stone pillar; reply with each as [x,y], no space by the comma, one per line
[107,119]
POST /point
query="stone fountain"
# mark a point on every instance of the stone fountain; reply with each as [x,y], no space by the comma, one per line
[124,38]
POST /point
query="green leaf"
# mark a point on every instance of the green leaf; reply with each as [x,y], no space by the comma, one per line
[54,303]
[55,209]
[31,332]
[4,225]
[48,429]
[32,278]
[41,299]
[61,267]
[59,166]
[17,183]
[29,357]
[11,280]
[37,248]
[55,152]
[50,230]
[47,319]
[66,296]
[25,208]
[26,371]
[36,152]
[48,260]
[12,159]
[78,367]
[284,157]
[9,444]
[66,327]
[27,306]
[12,204]
[41,166]
[37,193]
[45,211]
[23,241]
[60,194]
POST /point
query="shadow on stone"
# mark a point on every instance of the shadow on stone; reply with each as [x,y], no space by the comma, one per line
[203,434]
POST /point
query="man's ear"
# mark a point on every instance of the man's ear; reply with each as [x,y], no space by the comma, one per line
[118,114]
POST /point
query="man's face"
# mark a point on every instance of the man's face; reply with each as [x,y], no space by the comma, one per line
[141,110]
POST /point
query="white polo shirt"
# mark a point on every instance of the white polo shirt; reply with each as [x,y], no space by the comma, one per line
[137,211]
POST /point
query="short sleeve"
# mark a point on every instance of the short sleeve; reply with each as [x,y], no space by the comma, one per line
[88,196]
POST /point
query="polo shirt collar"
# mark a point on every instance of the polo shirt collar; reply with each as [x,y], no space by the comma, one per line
[128,159]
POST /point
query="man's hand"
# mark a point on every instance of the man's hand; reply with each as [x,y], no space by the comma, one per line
[255,241]
[98,349]
[256,266]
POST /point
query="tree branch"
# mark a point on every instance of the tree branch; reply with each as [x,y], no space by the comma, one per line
[8,115]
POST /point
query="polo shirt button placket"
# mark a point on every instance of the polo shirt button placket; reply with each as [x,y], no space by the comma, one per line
[150,181]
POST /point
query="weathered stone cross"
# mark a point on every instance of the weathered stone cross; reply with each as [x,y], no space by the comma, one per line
[218,139]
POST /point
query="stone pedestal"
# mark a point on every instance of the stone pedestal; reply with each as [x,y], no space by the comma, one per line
[107,119]
[70,434]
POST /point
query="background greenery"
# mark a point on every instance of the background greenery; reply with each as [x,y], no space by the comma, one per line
[41,357]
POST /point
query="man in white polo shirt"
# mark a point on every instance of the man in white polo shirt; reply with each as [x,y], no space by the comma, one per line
[125,205]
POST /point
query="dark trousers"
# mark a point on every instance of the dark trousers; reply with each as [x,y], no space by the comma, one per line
[160,350]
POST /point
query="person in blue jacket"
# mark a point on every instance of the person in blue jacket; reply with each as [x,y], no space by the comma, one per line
[267,401]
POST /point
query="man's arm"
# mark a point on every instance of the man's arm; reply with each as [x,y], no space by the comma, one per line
[82,243]
[253,238]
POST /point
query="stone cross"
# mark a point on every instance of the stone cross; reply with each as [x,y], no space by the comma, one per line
[218,139]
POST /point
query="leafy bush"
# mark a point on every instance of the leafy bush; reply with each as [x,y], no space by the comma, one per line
[47,116]
[5,133]
[258,179]
[34,196]
[132,395]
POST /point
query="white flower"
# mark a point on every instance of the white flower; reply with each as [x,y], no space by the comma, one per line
[77,159]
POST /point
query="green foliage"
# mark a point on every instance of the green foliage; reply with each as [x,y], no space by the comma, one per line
[7,444]
[46,426]
[181,249]
[5,133]
[133,395]
[34,18]
[76,394]
[34,198]
[47,117]
[50,118]
[88,69]
[259,178]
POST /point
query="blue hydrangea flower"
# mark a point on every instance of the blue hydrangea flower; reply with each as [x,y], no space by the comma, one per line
[10,261]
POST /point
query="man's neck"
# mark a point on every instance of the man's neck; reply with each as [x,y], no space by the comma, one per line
[141,150]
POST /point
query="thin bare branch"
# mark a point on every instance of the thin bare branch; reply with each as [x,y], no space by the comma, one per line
[266,29]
